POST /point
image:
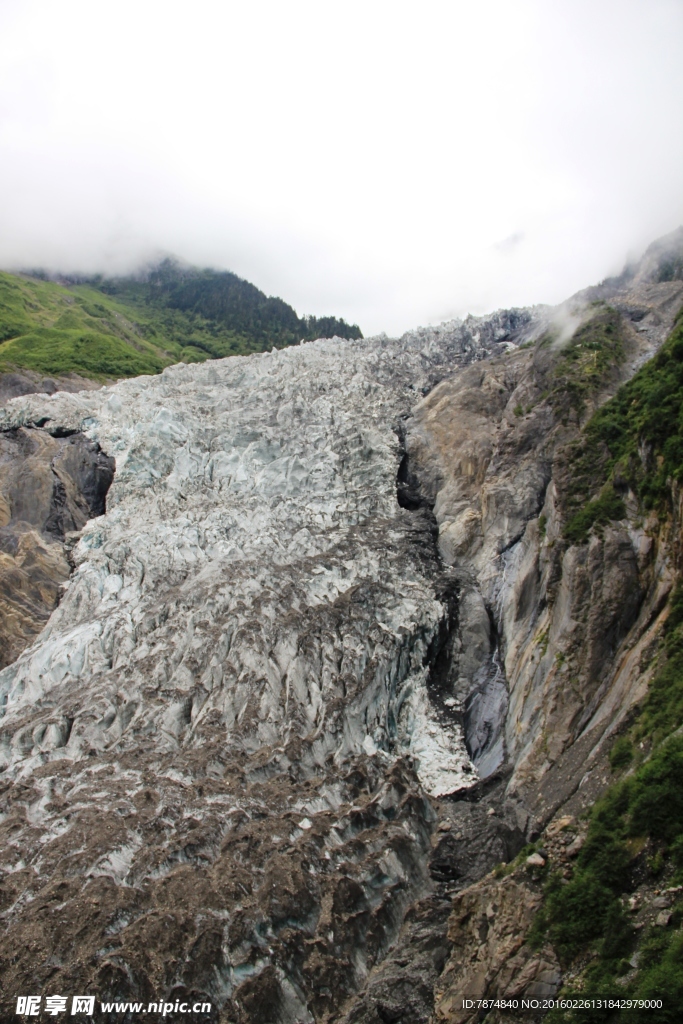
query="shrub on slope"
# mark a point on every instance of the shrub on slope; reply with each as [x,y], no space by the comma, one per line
[633,442]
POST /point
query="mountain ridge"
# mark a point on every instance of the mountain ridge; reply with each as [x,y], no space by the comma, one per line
[103,328]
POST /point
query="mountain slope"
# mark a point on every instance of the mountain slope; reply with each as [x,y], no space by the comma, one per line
[102,329]
[364,624]
[50,329]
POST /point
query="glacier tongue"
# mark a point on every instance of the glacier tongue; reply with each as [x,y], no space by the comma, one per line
[249,493]
[246,634]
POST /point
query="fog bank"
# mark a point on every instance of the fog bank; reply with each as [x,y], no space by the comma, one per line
[390,164]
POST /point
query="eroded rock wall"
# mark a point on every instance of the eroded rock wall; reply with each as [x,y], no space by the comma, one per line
[574,627]
[561,658]
[49,488]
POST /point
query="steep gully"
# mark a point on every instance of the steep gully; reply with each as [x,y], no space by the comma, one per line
[279,718]
[480,712]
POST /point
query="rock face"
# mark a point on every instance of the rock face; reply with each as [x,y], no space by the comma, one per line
[490,958]
[26,382]
[550,637]
[49,488]
[323,663]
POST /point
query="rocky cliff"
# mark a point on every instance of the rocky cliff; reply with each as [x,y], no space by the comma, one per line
[324,662]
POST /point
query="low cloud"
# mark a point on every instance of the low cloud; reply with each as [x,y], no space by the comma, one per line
[389,166]
[509,244]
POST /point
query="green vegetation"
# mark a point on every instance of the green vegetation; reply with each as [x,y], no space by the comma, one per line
[542,640]
[662,711]
[88,353]
[671,267]
[216,311]
[108,328]
[503,869]
[635,833]
[640,814]
[634,441]
[46,328]
[621,754]
[588,360]
[604,509]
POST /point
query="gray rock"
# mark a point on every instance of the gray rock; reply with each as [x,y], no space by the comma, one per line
[49,488]
[575,847]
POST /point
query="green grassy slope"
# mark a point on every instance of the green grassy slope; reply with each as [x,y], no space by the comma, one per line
[108,328]
[53,330]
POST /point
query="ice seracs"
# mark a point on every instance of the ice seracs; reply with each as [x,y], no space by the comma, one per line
[248,492]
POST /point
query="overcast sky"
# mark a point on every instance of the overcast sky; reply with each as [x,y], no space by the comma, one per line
[393,163]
